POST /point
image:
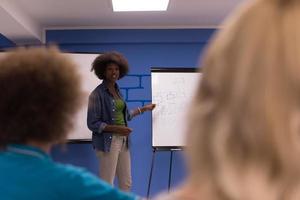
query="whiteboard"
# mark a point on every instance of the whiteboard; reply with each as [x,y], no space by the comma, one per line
[172,92]
[89,82]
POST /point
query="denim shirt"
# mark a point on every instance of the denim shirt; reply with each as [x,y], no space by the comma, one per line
[101,109]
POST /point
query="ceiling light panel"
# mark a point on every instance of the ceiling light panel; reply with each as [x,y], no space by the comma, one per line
[139,5]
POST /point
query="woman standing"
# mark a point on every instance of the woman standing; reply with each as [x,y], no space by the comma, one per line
[107,119]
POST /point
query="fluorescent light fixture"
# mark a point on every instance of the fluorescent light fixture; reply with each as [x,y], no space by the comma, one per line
[139,5]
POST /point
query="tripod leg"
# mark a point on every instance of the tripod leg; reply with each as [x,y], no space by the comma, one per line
[170,171]
[151,170]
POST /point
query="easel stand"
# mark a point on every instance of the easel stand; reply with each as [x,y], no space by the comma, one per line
[154,150]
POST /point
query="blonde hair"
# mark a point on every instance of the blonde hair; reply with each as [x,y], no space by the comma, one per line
[245,118]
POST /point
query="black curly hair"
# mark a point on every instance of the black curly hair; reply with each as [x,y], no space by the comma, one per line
[102,61]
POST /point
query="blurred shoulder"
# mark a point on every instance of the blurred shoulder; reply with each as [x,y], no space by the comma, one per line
[168,196]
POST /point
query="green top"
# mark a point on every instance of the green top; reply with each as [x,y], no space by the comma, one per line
[119,115]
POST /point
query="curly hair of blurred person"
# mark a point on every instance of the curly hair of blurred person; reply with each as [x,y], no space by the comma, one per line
[40,91]
[243,136]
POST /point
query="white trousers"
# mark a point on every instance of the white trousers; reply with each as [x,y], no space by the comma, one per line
[116,163]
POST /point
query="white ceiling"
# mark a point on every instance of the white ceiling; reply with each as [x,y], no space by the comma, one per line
[24,21]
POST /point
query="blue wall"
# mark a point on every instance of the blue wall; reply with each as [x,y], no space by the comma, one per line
[5,43]
[144,48]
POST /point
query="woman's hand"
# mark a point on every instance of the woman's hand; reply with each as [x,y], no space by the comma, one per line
[121,130]
[148,107]
[145,108]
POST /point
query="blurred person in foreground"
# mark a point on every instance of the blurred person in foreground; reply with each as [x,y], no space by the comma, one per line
[243,136]
[40,93]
